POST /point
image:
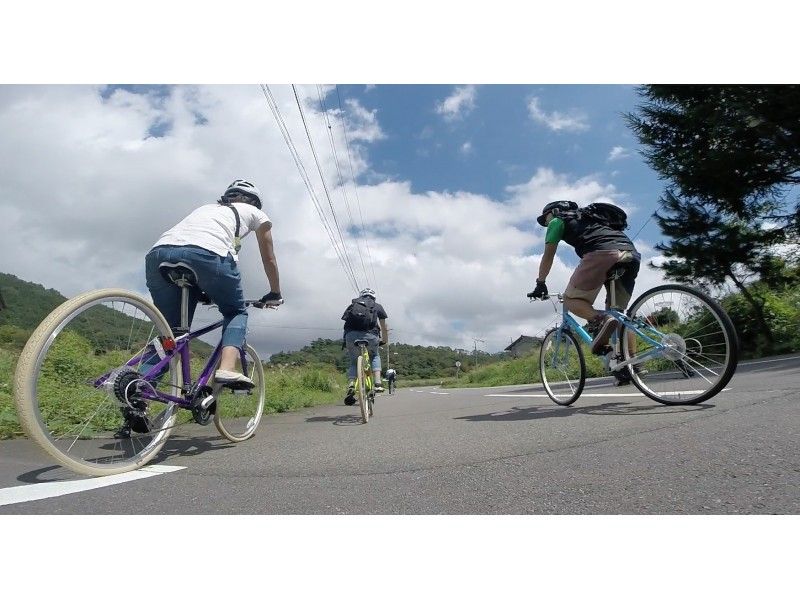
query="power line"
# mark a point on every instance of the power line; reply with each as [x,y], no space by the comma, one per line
[325,186]
[341,179]
[273,106]
[355,189]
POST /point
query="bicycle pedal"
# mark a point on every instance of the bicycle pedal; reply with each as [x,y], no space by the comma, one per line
[204,404]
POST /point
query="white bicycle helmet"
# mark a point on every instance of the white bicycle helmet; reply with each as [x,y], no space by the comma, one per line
[368,293]
[247,189]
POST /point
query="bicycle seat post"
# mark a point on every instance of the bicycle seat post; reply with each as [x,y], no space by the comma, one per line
[184,286]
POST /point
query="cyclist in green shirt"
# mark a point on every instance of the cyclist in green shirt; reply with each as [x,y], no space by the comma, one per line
[600,248]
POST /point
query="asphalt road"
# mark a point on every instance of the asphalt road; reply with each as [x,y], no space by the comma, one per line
[465,451]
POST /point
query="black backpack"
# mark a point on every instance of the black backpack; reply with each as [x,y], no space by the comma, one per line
[361,314]
[605,213]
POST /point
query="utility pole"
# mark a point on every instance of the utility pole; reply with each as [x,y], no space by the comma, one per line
[387,348]
[475,343]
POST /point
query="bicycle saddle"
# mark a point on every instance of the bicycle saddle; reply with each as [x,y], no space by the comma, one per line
[183,275]
[178,273]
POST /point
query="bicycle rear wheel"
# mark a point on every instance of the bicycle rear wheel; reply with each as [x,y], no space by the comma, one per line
[562,366]
[701,351]
[363,400]
[238,413]
[79,378]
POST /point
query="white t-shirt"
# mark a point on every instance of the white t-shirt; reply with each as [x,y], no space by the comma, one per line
[213,227]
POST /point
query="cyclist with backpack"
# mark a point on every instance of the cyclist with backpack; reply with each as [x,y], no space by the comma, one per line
[596,233]
[365,319]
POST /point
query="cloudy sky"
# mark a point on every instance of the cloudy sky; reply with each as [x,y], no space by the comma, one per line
[435,189]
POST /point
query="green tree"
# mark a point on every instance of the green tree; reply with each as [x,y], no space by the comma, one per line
[736,147]
[730,155]
[710,248]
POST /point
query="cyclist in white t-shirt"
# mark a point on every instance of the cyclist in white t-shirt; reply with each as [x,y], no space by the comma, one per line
[208,240]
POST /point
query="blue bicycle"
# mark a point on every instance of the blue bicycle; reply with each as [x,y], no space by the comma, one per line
[675,344]
[107,361]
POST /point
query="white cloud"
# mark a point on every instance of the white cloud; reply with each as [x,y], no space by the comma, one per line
[85,191]
[466,148]
[458,104]
[574,121]
[618,153]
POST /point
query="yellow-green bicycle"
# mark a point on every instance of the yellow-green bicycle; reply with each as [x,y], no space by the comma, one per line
[364,384]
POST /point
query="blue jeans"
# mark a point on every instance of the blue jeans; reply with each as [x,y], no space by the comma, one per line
[218,276]
[350,338]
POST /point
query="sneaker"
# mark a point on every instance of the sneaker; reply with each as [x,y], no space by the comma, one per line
[623,376]
[601,338]
[350,399]
[124,431]
[135,421]
[378,388]
[233,380]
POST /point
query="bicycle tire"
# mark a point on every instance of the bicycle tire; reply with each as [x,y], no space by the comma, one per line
[26,383]
[576,388]
[362,389]
[731,342]
[237,415]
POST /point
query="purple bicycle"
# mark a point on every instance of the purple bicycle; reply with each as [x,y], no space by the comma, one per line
[107,358]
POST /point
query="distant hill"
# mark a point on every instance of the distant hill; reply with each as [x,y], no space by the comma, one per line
[412,362]
[28,303]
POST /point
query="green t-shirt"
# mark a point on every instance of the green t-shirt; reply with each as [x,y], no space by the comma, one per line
[555,231]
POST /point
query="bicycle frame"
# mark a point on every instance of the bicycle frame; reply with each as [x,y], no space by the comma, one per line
[569,322]
[181,348]
[368,382]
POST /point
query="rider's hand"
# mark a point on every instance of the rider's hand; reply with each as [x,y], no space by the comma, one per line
[272,299]
[540,292]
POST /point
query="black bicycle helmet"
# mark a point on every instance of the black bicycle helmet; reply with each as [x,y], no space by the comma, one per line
[556,207]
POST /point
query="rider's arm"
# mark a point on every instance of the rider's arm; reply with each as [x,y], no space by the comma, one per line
[547,260]
[555,232]
[384,331]
[264,236]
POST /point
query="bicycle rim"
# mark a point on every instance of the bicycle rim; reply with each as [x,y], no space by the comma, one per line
[238,413]
[701,351]
[362,390]
[72,383]
[562,366]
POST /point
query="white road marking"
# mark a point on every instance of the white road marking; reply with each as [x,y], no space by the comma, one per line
[29,492]
[603,394]
[438,393]
[771,360]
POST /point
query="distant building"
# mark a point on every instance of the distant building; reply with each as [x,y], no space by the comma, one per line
[523,345]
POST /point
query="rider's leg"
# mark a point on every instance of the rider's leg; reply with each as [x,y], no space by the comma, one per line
[376,362]
[585,284]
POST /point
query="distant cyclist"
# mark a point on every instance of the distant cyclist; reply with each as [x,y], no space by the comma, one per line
[364,319]
[601,244]
[208,241]
[391,376]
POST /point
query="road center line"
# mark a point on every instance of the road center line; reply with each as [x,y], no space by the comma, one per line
[29,492]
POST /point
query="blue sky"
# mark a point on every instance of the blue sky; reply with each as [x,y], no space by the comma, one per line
[450,179]
[505,143]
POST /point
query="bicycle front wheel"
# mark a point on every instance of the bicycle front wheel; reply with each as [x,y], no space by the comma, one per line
[238,413]
[83,373]
[700,345]
[363,400]
[562,366]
